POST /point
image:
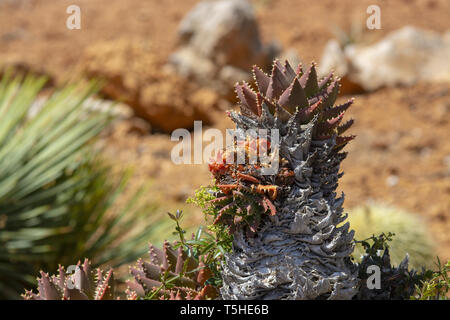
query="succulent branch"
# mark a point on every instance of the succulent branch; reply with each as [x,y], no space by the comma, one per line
[298,251]
[244,193]
[84,284]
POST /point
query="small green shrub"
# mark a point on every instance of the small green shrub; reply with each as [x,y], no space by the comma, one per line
[411,235]
[434,285]
[209,244]
[222,239]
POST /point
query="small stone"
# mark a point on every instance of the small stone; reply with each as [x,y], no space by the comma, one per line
[392,180]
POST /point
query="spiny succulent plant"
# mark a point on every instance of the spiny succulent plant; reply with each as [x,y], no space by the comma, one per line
[83,284]
[245,194]
[299,252]
[171,274]
[288,99]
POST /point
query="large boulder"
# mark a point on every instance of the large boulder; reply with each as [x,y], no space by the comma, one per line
[403,57]
[219,42]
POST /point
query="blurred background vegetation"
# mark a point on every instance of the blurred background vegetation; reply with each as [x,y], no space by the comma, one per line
[58,197]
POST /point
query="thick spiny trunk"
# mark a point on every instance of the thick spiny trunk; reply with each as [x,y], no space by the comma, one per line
[300,253]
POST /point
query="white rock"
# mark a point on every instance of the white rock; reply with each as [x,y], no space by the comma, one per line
[403,57]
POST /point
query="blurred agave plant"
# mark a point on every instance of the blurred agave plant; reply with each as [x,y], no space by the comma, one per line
[56,195]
